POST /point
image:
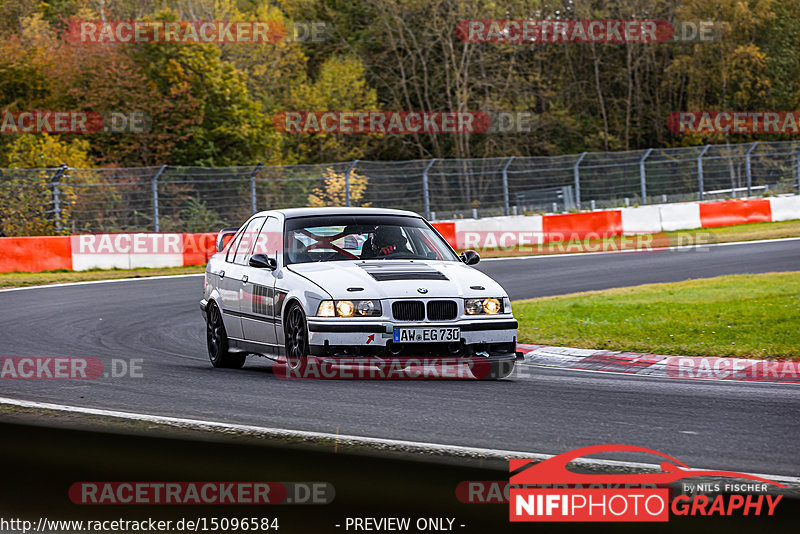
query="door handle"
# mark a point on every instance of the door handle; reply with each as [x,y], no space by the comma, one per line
[222,274]
[244,278]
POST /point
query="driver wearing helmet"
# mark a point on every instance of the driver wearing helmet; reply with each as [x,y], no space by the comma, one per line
[385,240]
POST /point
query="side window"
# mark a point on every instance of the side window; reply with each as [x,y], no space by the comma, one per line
[232,246]
[270,238]
[246,241]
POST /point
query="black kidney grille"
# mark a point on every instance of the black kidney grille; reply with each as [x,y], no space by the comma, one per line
[442,310]
[408,310]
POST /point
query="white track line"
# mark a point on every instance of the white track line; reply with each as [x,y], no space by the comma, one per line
[416,446]
[88,282]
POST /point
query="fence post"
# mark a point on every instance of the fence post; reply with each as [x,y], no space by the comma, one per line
[642,175]
[55,182]
[797,166]
[576,172]
[253,187]
[505,185]
[155,195]
[426,195]
[748,170]
[700,185]
[347,183]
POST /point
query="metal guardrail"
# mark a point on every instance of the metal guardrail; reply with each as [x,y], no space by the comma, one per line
[170,198]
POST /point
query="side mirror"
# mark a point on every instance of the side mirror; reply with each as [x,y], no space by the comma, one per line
[223,235]
[470,257]
[262,261]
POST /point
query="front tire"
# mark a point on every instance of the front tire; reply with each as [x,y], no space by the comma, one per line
[296,338]
[217,342]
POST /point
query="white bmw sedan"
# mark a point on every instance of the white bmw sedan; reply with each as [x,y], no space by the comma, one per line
[351,282]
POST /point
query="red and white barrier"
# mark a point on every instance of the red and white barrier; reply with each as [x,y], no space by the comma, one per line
[128,251]
[625,221]
[644,220]
[785,208]
[35,254]
[684,216]
[730,212]
[105,251]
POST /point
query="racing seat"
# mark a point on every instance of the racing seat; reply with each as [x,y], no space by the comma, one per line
[298,252]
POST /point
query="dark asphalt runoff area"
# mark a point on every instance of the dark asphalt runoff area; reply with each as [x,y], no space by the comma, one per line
[736,426]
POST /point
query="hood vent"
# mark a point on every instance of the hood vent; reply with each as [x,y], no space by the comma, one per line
[386,273]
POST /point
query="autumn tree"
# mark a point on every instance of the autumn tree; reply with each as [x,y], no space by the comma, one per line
[334,190]
[27,194]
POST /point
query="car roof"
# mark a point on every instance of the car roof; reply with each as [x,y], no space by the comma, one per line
[292,213]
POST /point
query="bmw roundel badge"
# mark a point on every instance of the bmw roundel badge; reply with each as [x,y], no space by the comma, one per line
[422,290]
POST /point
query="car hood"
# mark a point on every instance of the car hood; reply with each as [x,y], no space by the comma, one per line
[382,279]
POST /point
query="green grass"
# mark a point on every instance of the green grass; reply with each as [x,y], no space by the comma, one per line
[755,316]
[699,236]
[9,280]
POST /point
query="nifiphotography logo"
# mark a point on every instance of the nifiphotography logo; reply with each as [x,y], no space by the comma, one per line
[548,491]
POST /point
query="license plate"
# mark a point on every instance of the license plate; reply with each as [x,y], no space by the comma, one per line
[427,335]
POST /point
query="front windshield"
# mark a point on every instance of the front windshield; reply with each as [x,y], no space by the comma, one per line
[342,238]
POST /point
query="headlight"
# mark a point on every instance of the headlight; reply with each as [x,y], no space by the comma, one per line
[345,308]
[489,306]
[349,308]
[473,306]
[368,308]
[492,306]
[326,309]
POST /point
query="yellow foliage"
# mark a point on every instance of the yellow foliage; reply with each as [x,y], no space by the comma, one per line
[332,193]
[29,151]
[27,196]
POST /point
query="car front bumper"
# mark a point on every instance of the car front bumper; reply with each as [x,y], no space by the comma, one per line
[497,335]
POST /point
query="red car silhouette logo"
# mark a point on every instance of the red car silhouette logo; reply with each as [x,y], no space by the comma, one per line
[554,470]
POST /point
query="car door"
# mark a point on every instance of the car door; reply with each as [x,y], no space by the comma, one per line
[228,293]
[232,284]
[259,313]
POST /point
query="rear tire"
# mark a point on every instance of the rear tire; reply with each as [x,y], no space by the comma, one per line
[217,342]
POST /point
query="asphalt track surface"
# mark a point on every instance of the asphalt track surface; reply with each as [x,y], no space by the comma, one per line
[736,426]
